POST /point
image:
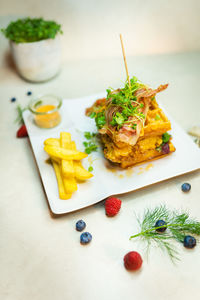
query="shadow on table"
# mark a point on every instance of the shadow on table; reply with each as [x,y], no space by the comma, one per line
[9,61]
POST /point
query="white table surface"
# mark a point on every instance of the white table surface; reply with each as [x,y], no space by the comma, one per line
[41,257]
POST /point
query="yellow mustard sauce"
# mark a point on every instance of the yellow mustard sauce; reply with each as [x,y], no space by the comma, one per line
[47,120]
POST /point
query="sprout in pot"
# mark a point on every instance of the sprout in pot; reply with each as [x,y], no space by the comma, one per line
[35,46]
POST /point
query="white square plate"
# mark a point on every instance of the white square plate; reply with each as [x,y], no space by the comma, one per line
[105,182]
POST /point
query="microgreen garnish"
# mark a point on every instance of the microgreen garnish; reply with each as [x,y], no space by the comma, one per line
[90,169]
[118,119]
[197,141]
[100,119]
[30,30]
[90,145]
[165,139]
[89,135]
[157,117]
[159,148]
[92,115]
[127,104]
[178,225]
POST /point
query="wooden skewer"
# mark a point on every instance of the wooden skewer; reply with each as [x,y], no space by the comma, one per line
[124,55]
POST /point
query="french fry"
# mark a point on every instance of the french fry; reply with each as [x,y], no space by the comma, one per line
[73,145]
[65,139]
[56,159]
[70,184]
[52,142]
[80,172]
[66,162]
[62,194]
[67,166]
[64,153]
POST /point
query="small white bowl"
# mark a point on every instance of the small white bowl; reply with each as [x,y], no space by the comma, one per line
[37,61]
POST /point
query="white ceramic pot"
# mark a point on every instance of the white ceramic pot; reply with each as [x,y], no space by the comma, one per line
[37,61]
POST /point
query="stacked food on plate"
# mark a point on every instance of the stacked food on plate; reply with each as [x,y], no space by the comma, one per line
[132,126]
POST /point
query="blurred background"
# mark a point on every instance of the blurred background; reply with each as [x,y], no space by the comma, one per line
[91,27]
[161,39]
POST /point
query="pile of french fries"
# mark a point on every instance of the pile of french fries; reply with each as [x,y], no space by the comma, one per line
[66,160]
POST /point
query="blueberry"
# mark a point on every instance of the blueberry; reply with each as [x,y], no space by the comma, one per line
[13,99]
[189,241]
[80,225]
[186,187]
[165,148]
[160,223]
[85,238]
[29,93]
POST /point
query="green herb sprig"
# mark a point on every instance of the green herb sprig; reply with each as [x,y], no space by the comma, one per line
[30,30]
[127,103]
[157,117]
[178,225]
[90,169]
[20,111]
[165,139]
[100,119]
[90,145]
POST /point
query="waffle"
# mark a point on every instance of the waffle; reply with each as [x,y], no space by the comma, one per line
[147,146]
[156,121]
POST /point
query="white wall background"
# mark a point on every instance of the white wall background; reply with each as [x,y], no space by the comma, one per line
[91,27]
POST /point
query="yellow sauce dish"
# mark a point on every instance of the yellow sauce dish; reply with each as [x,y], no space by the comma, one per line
[46,111]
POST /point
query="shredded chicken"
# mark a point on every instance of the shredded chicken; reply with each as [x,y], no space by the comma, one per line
[126,134]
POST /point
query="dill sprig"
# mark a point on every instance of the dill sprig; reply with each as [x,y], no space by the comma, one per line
[178,225]
[20,111]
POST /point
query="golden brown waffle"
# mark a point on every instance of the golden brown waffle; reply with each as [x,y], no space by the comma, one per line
[146,147]
[156,121]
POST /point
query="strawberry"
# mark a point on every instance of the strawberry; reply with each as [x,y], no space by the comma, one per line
[22,131]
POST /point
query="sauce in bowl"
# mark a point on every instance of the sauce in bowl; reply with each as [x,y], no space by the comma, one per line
[46,111]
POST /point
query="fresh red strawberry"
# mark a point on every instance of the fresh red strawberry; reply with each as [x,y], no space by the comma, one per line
[22,131]
[132,261]
[112,206]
